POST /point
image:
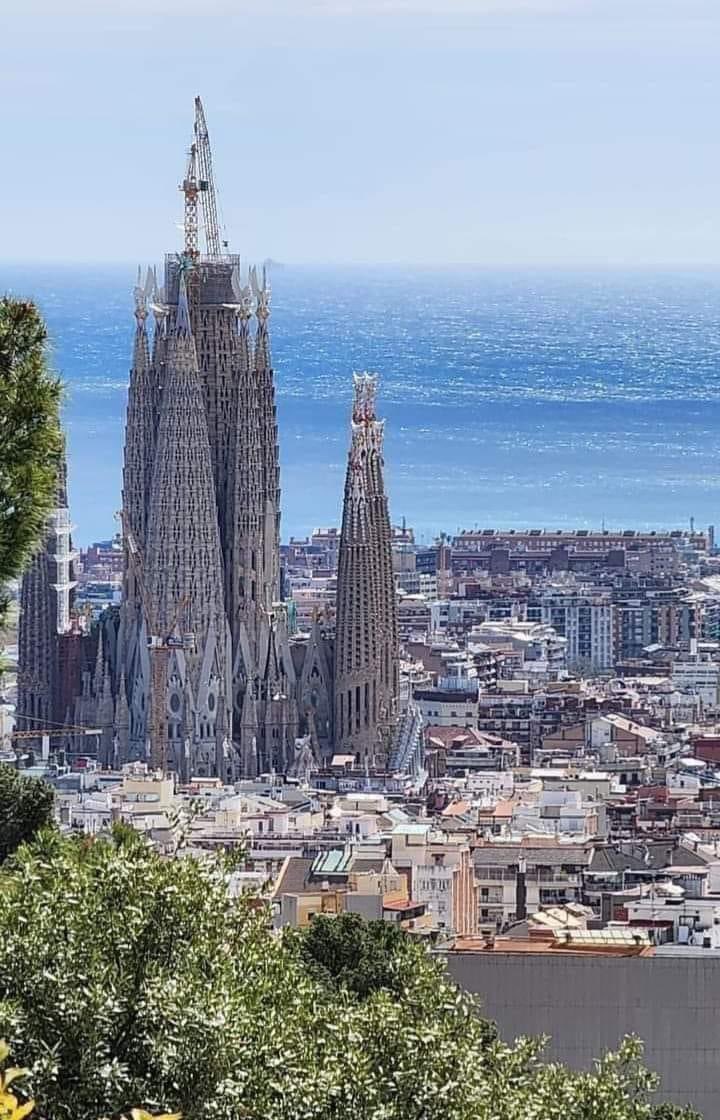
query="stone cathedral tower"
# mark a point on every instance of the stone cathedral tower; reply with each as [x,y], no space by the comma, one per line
[201,504]
[366,630]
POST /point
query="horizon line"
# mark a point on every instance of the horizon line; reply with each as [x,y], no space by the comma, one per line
[558,265]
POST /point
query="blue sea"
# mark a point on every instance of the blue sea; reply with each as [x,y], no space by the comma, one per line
[512,398]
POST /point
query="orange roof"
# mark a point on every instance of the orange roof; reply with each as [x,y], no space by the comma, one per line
[465,736]
[549,945]
[456,809]
[504,809]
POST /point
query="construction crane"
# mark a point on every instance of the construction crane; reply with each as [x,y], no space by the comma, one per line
[190,187]
[198,185]
[66,729]
[45,734]
[206,182]
[160,646]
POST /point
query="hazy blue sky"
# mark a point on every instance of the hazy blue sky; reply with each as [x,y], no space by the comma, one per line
[346,130]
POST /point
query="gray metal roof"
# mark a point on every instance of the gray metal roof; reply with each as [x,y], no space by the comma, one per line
[505,855]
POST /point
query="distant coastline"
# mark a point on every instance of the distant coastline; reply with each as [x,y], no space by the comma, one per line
[512,398]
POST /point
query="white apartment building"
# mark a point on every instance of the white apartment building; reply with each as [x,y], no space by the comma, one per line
[448,707]
[586,621]
[699,675]
[440,874]
[555,812]
[514,879]
[417,583]
[539,651]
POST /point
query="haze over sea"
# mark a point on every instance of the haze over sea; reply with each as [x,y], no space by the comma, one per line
[514,399]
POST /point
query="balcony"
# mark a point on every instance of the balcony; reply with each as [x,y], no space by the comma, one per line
[548,875]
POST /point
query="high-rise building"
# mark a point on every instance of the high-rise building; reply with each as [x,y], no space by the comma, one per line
[366,629]
[584,619]
[203,652]
[45,600]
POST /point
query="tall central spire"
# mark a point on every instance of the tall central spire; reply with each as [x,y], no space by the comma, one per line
[183,566]
[201,494]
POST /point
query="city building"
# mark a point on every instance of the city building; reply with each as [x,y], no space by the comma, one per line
[518,877]
[47,638]
[585,621]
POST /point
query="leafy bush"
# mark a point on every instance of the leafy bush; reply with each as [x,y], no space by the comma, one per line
[26,806]
[128,980]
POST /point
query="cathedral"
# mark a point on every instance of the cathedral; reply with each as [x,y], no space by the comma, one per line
[203,650]
[197,670]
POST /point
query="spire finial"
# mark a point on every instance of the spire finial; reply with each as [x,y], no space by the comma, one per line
[182,319]
[365,385]
[140,296]
[245,306]
[261,291]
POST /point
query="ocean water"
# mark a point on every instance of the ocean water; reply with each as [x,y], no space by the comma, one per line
[512,398]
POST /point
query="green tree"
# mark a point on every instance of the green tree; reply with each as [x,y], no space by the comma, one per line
[363,957]
[128,980]
[26,806]
[30,434]
[428,1052]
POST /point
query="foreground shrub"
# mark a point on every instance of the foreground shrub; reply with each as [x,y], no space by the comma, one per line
[132,981]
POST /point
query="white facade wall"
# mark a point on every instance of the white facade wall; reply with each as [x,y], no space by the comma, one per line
[497,892]
[459,712]
[433,884]
[700,677]
[600,649]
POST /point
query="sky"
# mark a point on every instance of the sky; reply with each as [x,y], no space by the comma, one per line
[500,132]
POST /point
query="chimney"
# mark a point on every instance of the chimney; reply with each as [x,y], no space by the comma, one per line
[521,890]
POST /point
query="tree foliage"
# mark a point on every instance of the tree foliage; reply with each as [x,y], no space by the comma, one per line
[128,980]
[26,806]
[364,957]
[30,434]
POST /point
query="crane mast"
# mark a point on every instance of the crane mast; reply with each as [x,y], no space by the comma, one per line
[198,187]
[206,183]
[191,189]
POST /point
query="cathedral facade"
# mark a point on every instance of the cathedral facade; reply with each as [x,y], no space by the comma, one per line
[201,527]
[197,671]
[202,624]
